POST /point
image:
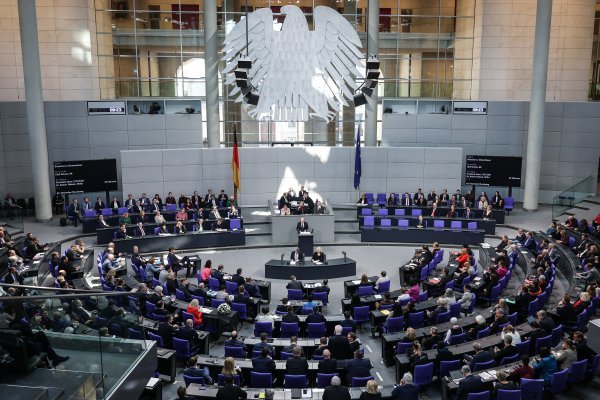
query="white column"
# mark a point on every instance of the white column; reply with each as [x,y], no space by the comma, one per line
[36,120]
[373,48]
[535,139]
[211,68]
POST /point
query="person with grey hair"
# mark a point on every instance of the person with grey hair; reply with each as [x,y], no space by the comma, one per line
[455,329]
[480,325]
[546,323]
[465,299]
[481,355]
[499,319]
[338,344]
[336,391]
[503,382]
[449,296]
[509,350]
[406,390]
[442,307]
[469,384]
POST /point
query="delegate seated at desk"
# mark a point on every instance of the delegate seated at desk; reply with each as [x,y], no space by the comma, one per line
[319,256]
[297,256]
[302,226]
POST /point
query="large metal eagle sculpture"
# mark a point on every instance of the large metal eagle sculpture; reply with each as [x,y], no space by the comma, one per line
[299,74]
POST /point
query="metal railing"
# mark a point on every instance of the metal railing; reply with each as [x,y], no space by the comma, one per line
[571,196]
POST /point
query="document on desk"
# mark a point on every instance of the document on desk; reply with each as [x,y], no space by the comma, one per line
[356,282]
[206,310]
[378,296]
[485,245]
[306,393]
[485,376]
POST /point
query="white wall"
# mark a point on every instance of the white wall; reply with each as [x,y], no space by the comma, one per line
[569,154]
[327,172]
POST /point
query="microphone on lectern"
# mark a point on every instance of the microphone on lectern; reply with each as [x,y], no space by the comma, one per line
[344,253]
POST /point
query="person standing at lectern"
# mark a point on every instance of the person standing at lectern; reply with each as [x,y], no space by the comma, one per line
[297,255]
[302,226]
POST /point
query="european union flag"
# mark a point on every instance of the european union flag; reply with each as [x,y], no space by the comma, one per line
[357,162]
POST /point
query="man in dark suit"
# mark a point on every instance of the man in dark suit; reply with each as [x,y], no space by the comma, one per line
[200,291]
[188,332]
[101,223]
[537,333]
[323,288]
[290,317]
[480,356]
[530,243]
[242,298]
[263,344]
[263,363]
[301,226]
[233,341]
[293,283]
[338,344]
[74,211]
[238,278]
[507,351]
[144,202]
[218,274]
[231,391]
[180,263]
[546,323]
[469,384]
[336,391]
[406,200]
[406,390]
[136,258]
[252,288]
[296,365]
[322,347]
[130,202]
[348,321]
[166,330]
[122,232]
[99,205]
[358,367]
[327,365]
[297,256]
[315,317]
[13,277]
[499,319]
[140,231]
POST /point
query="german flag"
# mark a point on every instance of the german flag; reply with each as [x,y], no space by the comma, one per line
[235,161]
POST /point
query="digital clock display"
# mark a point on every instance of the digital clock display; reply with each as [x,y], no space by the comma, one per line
[106,108]
[470,107]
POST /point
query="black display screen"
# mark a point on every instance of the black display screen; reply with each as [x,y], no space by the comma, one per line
[493,171]
[85,176]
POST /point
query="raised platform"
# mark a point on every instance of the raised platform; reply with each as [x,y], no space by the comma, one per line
[423,235]
[283,227]
[335,268]
[148,244]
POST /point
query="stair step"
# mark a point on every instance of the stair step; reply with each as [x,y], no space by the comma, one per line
[77,384]
[14,392]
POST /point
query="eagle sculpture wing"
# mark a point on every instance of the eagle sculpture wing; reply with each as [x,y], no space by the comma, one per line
[260,37]
[336,45]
